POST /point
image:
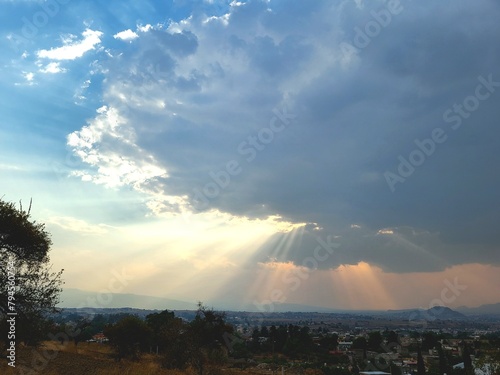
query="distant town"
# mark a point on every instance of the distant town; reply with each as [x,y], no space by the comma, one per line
[434,341]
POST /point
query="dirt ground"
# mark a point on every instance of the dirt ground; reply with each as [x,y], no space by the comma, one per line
[90,359]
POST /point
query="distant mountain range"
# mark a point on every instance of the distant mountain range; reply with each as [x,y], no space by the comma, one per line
[434,313]
[81,298]
[490,309]
[78,298]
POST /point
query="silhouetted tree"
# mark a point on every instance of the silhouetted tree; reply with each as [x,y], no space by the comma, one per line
[466,352]
[25,271]
[329,342]
[299,342]
[82,330]
[264,332]
[255,344]
[205,337]
[169,339]
[240,351]
[392,340]
[395,370]
[165,327]
[444,366]
[129,337]
[420,362]
[429,340]
[359,343]
[375,340]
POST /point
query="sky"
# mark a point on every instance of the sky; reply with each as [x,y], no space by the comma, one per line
[338,153]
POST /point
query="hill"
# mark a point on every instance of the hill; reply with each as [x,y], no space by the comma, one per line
[77,298]
[434,313]
[490,309]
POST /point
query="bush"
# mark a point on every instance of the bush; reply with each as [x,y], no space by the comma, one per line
[129,337]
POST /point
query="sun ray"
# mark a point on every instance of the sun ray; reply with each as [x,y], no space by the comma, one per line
[361,286]
[399,239]
[269,277]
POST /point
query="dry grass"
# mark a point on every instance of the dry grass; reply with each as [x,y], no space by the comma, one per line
[89,359]
[86,359]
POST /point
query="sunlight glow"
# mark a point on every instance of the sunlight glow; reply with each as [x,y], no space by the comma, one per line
[363,287]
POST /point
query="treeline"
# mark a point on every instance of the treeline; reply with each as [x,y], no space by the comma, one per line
[199,343]
[291,340]
[208,338]
[206,342]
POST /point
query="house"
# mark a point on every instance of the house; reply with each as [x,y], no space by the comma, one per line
[409,366]
[485,370]
[345,345]
[99,337]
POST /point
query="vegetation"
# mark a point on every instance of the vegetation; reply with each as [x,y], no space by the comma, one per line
[32,288]
[129,337]
[199,343]
[163,343]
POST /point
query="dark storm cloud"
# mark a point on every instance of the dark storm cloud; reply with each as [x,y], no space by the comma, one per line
[359,113]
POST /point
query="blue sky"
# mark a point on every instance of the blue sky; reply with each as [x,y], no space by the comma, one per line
[218,143]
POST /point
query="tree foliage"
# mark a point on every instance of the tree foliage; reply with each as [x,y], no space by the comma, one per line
[466,353]
[24,253]
[130,336]
[199,343]
[360,343]
[169,338]
[206,335]
[375,341]
[420,363]
[429,341]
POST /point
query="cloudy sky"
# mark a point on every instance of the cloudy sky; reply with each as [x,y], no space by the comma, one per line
[332,153]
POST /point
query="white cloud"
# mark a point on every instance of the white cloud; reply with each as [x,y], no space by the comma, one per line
[29,76]
[77,225]
[126,35]
[53,68]
[8,167]
[80,92]
[29,79]
[72,49]
[191,93]
[108,145]
[160,76]
[144,29]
